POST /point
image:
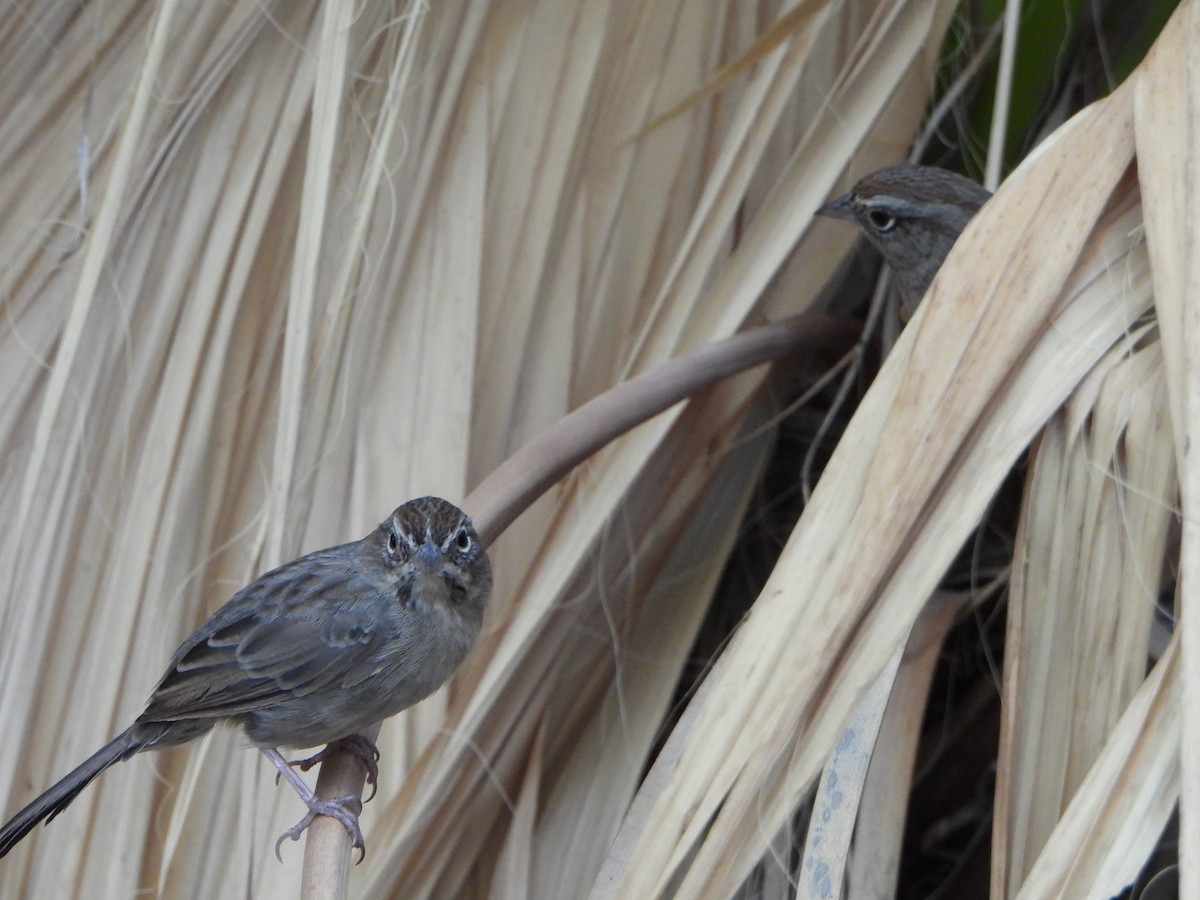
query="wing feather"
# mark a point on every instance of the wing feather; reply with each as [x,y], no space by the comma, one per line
[297,630]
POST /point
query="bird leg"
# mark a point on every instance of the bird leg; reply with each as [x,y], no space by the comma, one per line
[338,808]
[360,746]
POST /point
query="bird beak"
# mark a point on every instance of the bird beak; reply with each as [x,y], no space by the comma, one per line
[838,209]
[429,558]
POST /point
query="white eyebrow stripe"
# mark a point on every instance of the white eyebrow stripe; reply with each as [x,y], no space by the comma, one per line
[891,204]
[899,206]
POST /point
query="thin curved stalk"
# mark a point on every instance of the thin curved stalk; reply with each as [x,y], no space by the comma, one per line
[529,472]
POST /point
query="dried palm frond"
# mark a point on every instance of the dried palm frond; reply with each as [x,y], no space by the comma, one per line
[271,268]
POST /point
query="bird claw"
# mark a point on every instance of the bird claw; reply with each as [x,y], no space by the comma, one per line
[364,749]
[335,809]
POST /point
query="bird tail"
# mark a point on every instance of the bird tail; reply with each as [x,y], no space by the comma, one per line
[56,799]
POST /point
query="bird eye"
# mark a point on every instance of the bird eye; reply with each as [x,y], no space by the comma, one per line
[881,220]
[462,540]
[393,543]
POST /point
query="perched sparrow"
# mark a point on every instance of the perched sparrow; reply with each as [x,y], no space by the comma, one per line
[313,652]
[913,215]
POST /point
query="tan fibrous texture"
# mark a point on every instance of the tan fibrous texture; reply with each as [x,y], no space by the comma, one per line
[270,269]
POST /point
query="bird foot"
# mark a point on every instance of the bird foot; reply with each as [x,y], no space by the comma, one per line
[364,749]
[336,809]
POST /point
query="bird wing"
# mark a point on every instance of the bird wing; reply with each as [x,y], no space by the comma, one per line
[254,663]
[293,632]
